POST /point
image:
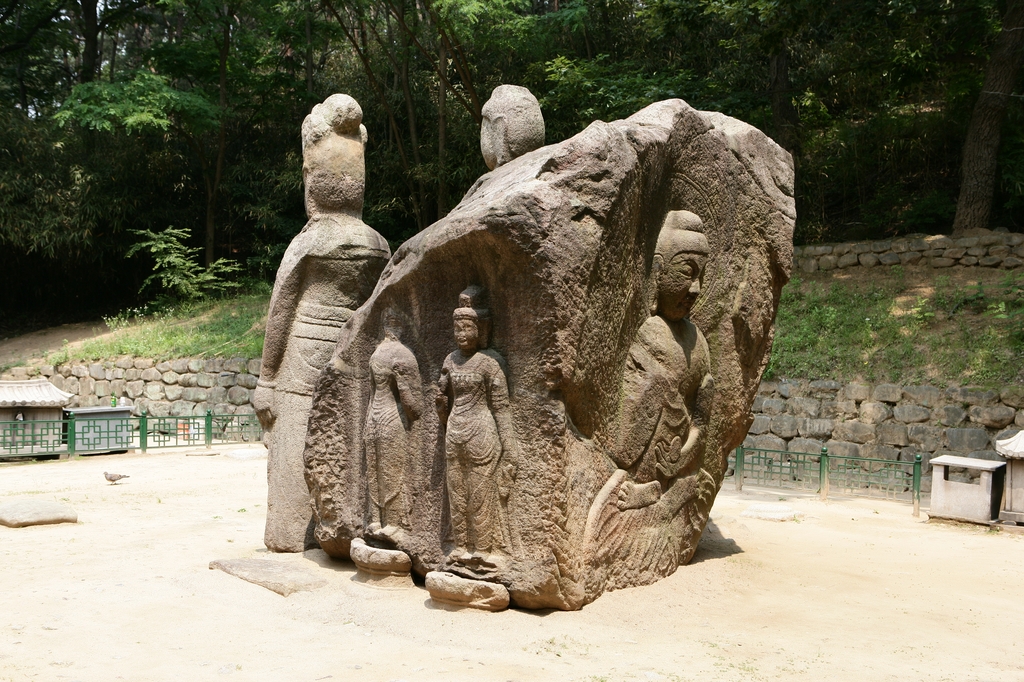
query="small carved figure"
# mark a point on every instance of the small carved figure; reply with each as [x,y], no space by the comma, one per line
[512,125]
[480,445]
[668,384]
[395,403]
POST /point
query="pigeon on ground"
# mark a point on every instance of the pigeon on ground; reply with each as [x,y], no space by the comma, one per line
[114,478]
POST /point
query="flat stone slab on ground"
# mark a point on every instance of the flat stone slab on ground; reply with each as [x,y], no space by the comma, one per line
[273,575]
[35,513]
[770,512]
[448,588]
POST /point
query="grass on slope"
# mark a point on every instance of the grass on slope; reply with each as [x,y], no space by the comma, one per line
[230,327]
[961,327]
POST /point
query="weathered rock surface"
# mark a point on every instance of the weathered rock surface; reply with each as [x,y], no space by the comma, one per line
[447,588]
[857,432]
[35,513]
[910,414]
[276,576]
[563,241]
[967,440]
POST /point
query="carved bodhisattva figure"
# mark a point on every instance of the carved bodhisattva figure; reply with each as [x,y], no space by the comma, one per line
[480,445]
[395,403]
[667,399]
[667,385]
[329,269]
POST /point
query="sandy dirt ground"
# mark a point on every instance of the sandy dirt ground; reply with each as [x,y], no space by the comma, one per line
[857,589]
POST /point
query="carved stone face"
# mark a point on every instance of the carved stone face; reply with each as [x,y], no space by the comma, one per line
[679,285]
[467,335]
[493,145]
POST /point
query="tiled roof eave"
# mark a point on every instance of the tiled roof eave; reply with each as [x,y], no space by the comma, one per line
[32,393]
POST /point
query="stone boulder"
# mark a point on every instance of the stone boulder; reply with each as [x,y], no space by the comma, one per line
[21,513]
[554,258]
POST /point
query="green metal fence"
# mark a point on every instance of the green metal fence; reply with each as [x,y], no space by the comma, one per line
[76,436]
[823,472]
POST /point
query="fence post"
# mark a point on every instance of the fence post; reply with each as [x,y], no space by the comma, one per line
[71,434]
[917,484]
[823,473]
[209,429]
[143,431]
[738,471]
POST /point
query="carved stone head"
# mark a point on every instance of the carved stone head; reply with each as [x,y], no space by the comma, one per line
[333,169]
[472,320]
[512,125]
[679,260]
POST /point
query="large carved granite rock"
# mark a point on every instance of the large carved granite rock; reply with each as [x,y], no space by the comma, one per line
[329,269]
[591,322]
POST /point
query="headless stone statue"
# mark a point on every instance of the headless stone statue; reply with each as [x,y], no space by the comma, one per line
[329,269]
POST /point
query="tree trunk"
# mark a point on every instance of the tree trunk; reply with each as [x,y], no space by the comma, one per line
[90,40]
[359,41]
[113,55]
[309,55]
[211,201]
[785,121]
[442,95]
[981,147]
[20,73]
[414,139]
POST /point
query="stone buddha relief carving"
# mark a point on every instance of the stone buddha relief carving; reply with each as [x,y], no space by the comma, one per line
[667,397]
[480,444]
[389,442]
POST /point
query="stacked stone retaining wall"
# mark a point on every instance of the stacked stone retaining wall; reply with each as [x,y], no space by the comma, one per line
[183,387]
[884,421]
[984,249]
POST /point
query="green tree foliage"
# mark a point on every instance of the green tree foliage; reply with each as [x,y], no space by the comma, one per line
[176,269]
[135,114]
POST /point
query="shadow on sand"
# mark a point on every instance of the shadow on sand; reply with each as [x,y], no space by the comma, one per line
[714,545]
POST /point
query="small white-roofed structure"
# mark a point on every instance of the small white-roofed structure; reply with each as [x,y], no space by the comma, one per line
[31,393]
[33,400]
[1012,449]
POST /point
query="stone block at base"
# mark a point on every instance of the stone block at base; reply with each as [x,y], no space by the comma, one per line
[381,567]
[378,560]
[35,513]
[448,588]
